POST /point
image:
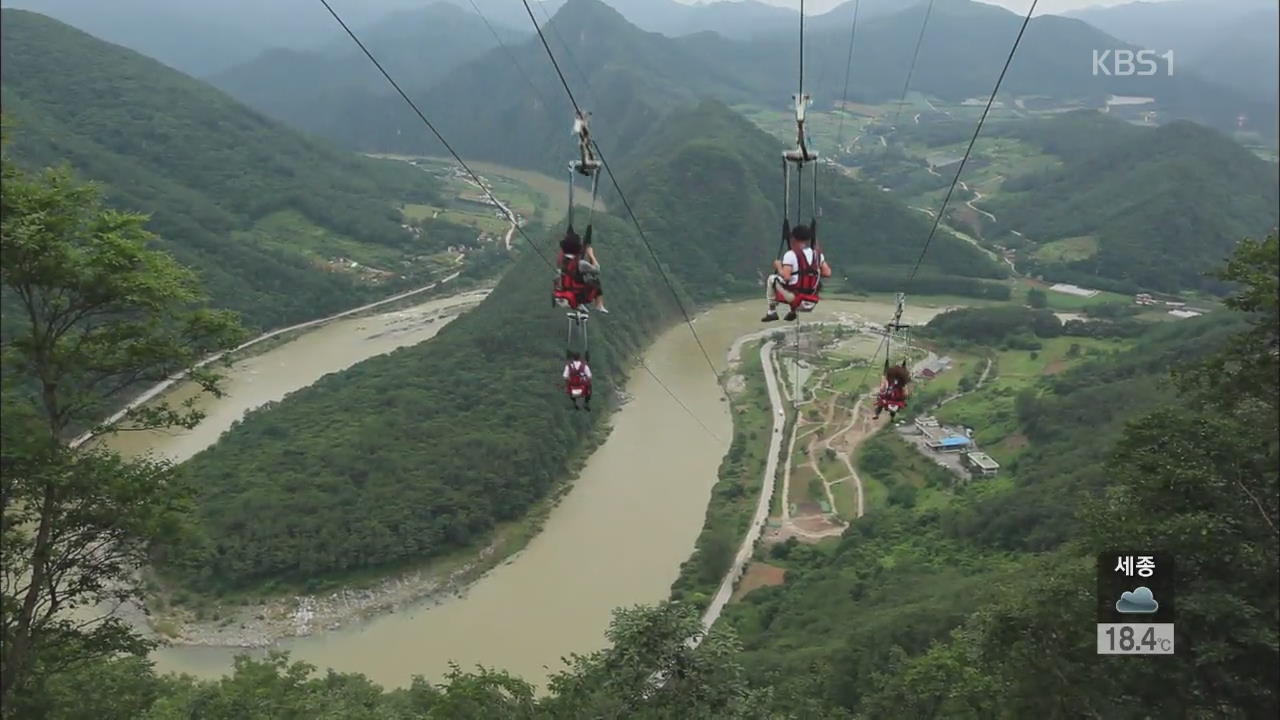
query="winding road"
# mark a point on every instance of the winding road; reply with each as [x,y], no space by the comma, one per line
[766,496]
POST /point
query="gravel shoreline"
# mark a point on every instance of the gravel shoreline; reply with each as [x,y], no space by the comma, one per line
[262,625]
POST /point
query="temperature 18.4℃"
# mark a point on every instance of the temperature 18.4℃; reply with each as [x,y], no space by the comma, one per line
[1135,638]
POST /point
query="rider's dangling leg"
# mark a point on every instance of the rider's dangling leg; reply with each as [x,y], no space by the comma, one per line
[775,289]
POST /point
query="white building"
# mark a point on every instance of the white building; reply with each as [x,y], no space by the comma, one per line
[980,463]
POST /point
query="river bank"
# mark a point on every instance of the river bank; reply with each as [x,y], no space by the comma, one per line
[616,536]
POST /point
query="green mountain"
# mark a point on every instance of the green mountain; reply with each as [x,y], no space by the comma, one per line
[201,38]
[299,87]
[253,206]
[336,478]
[722,180]
[1164,204]
[979,601]
[627,78]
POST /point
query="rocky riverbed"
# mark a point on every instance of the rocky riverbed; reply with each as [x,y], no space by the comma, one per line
[259,625]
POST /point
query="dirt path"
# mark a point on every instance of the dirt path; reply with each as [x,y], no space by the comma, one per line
[982,379]
[843,442]
[976,197]
[858,426]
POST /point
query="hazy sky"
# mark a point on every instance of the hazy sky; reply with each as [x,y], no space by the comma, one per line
[1045,6]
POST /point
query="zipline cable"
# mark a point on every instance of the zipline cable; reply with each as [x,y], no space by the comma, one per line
[960,169]
[591,93]
[675,397]
[486,190]
[914,57]
[528,80]
[844,94]
[432,128]
[973,140]
[625,203]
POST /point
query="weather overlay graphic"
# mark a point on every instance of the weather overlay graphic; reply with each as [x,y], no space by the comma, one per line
[1135,603]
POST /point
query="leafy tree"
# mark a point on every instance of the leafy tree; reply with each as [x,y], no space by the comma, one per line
[652,672]
[1037,298]
[92,314]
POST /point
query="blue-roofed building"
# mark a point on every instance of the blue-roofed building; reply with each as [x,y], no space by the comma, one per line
[950,443]
[942,439]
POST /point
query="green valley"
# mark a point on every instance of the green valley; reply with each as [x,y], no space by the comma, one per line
[316,459]
[388,509]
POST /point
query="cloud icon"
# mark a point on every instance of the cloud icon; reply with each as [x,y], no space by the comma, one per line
[1139,601]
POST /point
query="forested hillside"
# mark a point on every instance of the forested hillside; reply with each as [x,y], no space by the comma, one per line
[985,607]
[1163,203]
[712,198]
[421,451]
[254,207]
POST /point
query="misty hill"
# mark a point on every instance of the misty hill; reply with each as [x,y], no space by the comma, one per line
[1181,24]
[201,38]
[1165,204]
[238,197]
[1245,55]
[740,20]
[421,45]
[966,43]
[1232,42]
[629,78]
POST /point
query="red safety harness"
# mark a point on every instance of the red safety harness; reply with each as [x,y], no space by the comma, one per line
[569,289]
[578,379]
[808,282]
[892,397]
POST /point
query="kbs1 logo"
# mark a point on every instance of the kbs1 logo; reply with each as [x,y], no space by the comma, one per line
[1127,63]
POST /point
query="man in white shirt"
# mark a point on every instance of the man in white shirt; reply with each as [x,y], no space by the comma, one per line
[786,281]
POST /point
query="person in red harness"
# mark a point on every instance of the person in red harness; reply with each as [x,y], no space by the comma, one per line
[893,391]
[798,275]
[579,281]
[577,381]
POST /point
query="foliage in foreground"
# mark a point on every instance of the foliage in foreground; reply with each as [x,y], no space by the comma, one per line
[91,314]
[985,608]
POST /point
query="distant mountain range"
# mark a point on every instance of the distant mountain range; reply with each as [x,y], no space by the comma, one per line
[1232,42]
[322,89]
[629,77]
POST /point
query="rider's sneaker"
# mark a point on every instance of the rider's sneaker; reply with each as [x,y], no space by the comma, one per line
[603,310]
[770,317]
[791,316]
